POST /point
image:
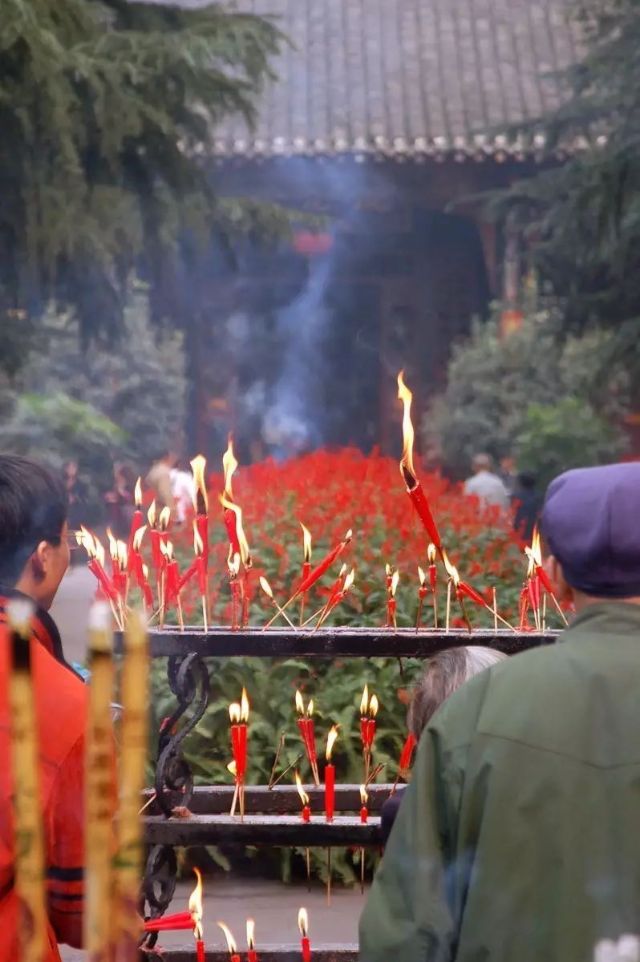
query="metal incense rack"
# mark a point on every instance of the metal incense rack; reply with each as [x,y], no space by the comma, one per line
[272,816]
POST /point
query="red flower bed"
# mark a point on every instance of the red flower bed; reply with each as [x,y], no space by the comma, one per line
[334,491]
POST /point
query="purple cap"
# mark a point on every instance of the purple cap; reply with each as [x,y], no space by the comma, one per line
[591,522]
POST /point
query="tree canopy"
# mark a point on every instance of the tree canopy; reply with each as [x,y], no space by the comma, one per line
[107,108]
[585,214]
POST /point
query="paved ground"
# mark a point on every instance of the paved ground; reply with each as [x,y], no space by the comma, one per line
[274,908]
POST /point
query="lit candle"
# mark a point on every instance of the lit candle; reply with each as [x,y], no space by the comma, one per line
[407,470]
[364,707]
[195,908]
[201,502]
[306,565]
[137,520]
[391,600]
[231,945]
[229,466]
[303,925]
[252,955]
[371,723]
[239,716]
[98,918]
[433,572]
[330,776]
[307,731]
[339,597]
[364,811]
[304,798]
[29,861]
[156,540]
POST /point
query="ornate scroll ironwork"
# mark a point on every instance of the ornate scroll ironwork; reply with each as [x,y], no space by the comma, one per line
[189,681]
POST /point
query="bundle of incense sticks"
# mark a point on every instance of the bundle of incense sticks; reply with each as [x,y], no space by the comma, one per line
[29,856]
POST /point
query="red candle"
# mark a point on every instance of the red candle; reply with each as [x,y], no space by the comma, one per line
[307,733]
[304,798]
[364,798]
[407,752]
[324,565]
[200,953]
[303,925]
[330,776]
[252,955]
[414,488]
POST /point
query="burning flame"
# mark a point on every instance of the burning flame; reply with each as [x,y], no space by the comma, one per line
[242,540]
[198,467]
[167,550]
[304,798]
[165,519]
[348,536]
[233,564]
[195,905]
[394,583]
[408,433]
[232,768]
[422,576]
[306,541]
[303,922]
[388,570]
[451,570]
[299,703]
[145,572]
[137,493]
[431,553]
[266,587]
[364,795]
[234,713]
[310,708]
[348,581]
[152,514]
[99,550]
[137,538]
[229,466]
[364,701]
[231,944]
[198,544]
[123,554]
[251,934]
[374,705]
[536,549]
[331,740]
[113,545]
[244,706]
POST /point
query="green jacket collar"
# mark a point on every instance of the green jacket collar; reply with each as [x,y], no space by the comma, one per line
[606,617]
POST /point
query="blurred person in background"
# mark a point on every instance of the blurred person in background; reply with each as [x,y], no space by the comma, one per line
[77,494]
[444,674]
[159,479]
[120,499]
[527,502]
[184,491]
[519,835]
[485,485]
[508,474]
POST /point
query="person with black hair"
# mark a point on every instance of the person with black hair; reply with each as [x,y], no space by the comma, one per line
[34,555]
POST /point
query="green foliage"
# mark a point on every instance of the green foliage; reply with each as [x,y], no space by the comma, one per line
[567,434]
[58,427]
[105,109]
[126,402]
[585,214]
[493,381]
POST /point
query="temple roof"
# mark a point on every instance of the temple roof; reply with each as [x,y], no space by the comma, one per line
[407,78]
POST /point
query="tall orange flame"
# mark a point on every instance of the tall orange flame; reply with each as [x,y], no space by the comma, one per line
[152,513]
[138,536]
[364,701]
[266,587]
[408,433]
[422,576]
[306,541]
[331,740]
[198,467]
[244,706]
[229,466]
[251,934]
[303,922]
[195,905]
[234,713]
[431,553]
[137,493]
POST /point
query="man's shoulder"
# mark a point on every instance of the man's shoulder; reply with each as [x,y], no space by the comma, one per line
[61,699]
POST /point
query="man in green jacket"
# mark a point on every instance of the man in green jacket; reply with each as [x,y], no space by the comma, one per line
[518,839]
